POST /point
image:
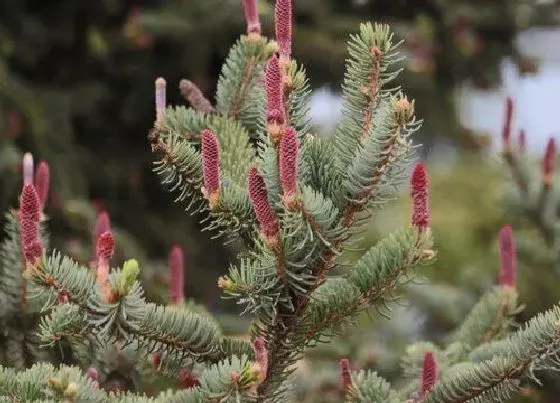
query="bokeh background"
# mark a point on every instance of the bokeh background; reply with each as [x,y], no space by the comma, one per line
[76,89]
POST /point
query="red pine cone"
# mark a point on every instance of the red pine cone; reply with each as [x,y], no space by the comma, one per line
[508,257]
[274,92]
[42,182]
[419,194]
[210,163]
[177,275]
[283,26]
[506,128]
[32,251]
[345,374]
[252,16]
[288,161]
[258,194]
[187,379]
[30,206]
[105,246]
[156,360]
[429,373]
[261,356]
[93,374]
[29,230]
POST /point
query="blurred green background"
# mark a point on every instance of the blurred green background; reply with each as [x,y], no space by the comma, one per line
[76,89]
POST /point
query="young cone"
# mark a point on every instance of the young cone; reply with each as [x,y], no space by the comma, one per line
[252,17]
[210,167]
[548,163]
[160,98]
[93,374]
[187,379]
[261,356]
[102,224]
[28,169]
[508,258]
[429,374]
[283,27]
[258,194]
[275,114]
[288,165]
[29,217]
[419,195]
[42,182]
[345,375]
[104,251]
[177,275]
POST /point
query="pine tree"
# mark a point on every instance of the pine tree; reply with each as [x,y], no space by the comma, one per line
[296,201]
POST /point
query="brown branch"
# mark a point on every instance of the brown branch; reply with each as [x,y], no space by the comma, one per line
[371,92]
[496,325]
[356,205]
[365,298]
[244,87]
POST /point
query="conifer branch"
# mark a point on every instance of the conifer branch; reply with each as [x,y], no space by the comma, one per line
[373,277]
[364,86]
[239,95]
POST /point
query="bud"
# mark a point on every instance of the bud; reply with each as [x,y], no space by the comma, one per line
[129,275]
[506,128]
[345,375]
[258,194]
[261,357]
[62,298]
[549,161]
[210,167]
[42,182]
[177,275]
[275,114]
[234,376]
[288,164]
[93,374]
[419,194]
[156,360]
[429,374]
[252,17]
[105,246]
[508,257]
[27,169]
[283,26]
[104,251]
[71,391]
[187,379]
[224,282]
[160,97]
[56,384]
[403,110]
